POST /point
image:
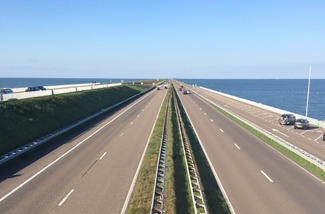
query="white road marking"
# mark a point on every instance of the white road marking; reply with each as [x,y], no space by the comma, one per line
[68,152]
[205,113]
[290,128]
[200,108]
[303,132]
[138,115]
[121,134]
[211,120]
[66,197]
[275,130]
[237,146]
[102,156]
[221,130]
[267,176]
[142,109]
[318,138]
[131,123]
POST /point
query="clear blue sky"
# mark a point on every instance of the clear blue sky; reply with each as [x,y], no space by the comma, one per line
[162,38]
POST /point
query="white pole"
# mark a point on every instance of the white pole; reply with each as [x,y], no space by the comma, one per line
[308,92]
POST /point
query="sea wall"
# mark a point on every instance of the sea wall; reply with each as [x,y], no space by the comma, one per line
[52,90]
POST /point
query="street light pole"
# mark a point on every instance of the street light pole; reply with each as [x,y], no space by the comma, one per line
[308,91]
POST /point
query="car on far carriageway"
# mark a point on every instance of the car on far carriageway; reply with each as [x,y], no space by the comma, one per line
[301,124]
[324,136]
[187,92]
[5,91]
[287,119]
[36,88]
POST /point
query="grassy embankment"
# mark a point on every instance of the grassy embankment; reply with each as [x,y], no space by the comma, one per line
[320,173]
[215,201]
[177,191]
[22,121]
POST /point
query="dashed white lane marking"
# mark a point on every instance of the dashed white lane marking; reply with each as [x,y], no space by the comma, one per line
[102,156]
[200,108]
[121,134]
[138,115]
[205,113]
[211,120]
[221,130]
[267,176]
[131,123]
[142,109]
[237,146]
[65,198]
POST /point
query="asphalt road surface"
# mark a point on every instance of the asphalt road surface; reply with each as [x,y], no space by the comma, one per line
[309,140]
[91,173]
[255,177]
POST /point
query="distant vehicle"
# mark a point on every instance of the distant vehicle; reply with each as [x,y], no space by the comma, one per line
[5,91]
[287,119]
[301,124]
[158,88]
[187,92]
[180,89]
[36,88]
[165,86]
[324,136]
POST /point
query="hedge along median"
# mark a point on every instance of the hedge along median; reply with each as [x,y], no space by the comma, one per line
[22,121]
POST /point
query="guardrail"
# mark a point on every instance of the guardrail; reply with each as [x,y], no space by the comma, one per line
[196,191]
[19,151]
[157,204]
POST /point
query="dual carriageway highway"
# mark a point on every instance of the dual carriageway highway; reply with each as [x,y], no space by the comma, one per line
[94,172]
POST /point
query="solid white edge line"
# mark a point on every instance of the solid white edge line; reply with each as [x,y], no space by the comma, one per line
[65,198]
[128,197]
[267,176]
[70,150]
[102,156]
[306,171]
[212,168]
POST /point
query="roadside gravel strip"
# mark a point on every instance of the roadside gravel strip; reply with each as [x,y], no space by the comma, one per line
[21,150]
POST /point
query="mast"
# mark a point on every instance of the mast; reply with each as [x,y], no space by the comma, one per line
[308,91]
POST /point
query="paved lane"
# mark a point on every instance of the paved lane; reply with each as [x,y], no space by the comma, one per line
[308,140]
[256,178]
[95,177]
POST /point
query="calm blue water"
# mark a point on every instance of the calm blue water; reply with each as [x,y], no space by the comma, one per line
[290,95]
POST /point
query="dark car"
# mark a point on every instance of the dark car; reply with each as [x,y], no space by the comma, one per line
[5,91]
[36,88]
[301,124]
[287,119]
[324,136]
